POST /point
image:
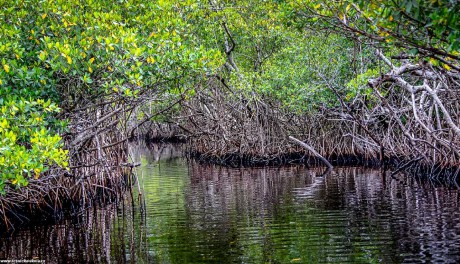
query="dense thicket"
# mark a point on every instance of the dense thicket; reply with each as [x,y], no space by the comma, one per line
[377,79]
[73,73]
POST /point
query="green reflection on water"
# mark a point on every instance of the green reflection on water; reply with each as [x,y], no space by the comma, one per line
[245,216]
[194,213]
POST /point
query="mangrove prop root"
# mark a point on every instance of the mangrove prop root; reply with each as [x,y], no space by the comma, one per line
[97,142]
[396,124]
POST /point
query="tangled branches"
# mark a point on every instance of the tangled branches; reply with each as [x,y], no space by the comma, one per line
[411,119]
[100,126]
[234,129]
[421,103]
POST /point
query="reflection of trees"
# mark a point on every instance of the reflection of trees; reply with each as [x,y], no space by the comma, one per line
[95,236]
[267,215]
[353,214]
[154,152]
[419,220]
[431,226]
[243,193]
[254,205]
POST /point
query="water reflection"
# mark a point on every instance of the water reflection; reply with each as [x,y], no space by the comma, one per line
[96,236]
[353,215]
[194,213]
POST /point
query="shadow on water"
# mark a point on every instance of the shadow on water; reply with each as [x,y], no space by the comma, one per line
[195,213]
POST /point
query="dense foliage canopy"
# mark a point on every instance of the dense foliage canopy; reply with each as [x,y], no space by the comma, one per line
[62,51]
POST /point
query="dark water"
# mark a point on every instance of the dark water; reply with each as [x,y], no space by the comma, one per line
[207,214]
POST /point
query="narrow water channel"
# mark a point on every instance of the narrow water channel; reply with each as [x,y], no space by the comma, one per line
[194,213]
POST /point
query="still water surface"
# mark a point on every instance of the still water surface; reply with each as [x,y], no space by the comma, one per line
[194,213]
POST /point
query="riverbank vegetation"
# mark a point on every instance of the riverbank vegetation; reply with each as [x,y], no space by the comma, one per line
[74,74]
[371,79]
[357,80]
